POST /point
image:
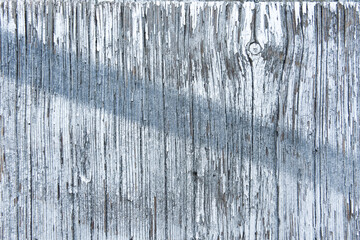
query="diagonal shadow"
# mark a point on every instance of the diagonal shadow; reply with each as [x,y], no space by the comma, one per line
[132,89]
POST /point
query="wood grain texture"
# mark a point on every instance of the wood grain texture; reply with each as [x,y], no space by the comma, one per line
[175,120]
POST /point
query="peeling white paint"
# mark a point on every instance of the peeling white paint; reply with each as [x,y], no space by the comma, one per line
[126,127]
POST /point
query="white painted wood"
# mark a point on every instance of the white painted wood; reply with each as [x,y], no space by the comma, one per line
[179,120]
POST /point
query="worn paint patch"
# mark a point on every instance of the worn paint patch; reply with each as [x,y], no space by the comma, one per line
[208,120]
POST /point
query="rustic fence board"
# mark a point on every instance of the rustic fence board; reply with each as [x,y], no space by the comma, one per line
[179,120]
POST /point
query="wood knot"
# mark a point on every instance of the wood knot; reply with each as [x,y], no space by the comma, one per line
[254,48]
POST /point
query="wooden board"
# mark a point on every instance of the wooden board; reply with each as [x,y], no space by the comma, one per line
[179,120]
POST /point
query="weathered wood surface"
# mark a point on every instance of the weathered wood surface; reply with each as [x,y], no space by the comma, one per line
[179,120]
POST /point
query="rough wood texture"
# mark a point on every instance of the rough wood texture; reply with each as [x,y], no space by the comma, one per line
[179,120]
